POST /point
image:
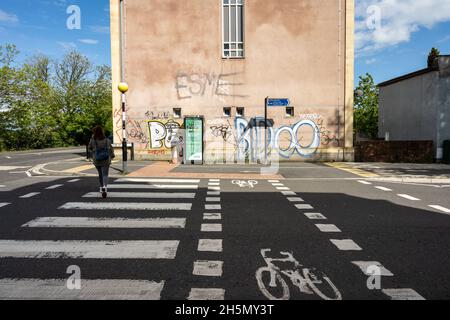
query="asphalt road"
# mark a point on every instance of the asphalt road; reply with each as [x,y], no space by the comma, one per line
[178,239]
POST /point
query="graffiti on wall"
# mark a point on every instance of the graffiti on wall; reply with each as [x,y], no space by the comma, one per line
[302,138]
[163,134]
[189,85]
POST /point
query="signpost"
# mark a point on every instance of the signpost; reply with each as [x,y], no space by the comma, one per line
[272,102]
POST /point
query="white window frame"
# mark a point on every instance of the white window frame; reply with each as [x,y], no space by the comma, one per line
[239,45]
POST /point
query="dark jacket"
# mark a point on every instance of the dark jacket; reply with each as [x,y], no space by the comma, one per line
[101,145]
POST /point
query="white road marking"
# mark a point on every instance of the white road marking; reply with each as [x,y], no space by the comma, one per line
[278,184]
[211,227]
[328,228]
[289,193]
[383,188]
[210,245]
[212,184]
[89,249]
[213,193]
[125,206]
[29,195]
[315,216]
[198,294]
[346,245]
[56,289]
[212,216]
[56,186]
[283,188]
[274,181]
[2,186]
[73,180]
[143,195]
[214,180]
[364,265]
[213,207]
[158,180]
[4,204]
[408,197]
[303,206]
[208,268]
[153,186]
[213,199]
[296,199]
[9,168]
[364,182]
[85,222]
[402,294]
[214,188]
[440,208]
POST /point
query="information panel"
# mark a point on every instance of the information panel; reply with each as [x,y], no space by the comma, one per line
[193,140]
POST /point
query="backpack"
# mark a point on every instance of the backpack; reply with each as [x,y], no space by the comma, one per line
[101,154]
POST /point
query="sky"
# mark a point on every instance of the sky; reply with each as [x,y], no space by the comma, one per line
[392,37]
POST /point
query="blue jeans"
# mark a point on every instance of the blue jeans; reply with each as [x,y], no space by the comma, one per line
[103,173]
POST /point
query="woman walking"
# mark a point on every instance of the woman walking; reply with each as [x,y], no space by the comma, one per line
[102,153]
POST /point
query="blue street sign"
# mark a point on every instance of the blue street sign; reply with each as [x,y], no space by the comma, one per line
[278,102]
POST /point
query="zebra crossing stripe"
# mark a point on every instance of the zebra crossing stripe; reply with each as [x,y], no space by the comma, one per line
[211,227]
[213,199]
[126,206]
[56,289]
[143,195]
[295,199]
[288,193]
[213,207]
[85,222]
[328,228]
[213,193]
[88,249]
[402,294]
[198,294]
[346,245]
[283,188]
[158,180]
[304,206]
[212,184]
[154,186]
[208,268]
[315,216]
[214,180]
[212,216]
[213,188]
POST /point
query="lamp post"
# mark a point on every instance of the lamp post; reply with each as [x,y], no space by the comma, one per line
[123,88]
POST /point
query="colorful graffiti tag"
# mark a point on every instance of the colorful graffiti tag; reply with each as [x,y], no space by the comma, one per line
[163,133]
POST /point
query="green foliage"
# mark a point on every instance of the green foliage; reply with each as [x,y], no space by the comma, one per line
[366,107]
[45,104]
[434,53]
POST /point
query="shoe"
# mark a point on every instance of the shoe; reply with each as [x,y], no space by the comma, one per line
[104,193]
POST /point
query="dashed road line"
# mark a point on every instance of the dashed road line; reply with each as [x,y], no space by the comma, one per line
[56,186]
[304,206]
[383,188]
[208,268]
[408,197]
[296,199]
[211,227]
[288,193]
[440,208]
[365,182]
[283,188]
[29,195]
[73,180]
[4,204]
[402,294]
[346,245]
[210,245]
[315,216]
[213,207]
[328,228]
[206,294]
[365,266]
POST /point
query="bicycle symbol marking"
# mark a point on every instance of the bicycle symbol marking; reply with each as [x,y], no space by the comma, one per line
[308,280]
[245,184]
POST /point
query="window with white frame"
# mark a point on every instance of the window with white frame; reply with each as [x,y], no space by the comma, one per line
[233,28]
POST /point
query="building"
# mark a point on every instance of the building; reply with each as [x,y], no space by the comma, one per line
[219,60]
[416,106]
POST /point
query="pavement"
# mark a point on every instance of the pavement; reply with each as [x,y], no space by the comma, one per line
[318,231]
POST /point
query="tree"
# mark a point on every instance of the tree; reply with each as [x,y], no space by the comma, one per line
[366,107]
[432,58]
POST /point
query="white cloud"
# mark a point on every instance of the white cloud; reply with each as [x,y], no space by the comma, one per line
[8,17]
[445,39]
[399,20]
[371,61]
[67,45]
[88,41]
